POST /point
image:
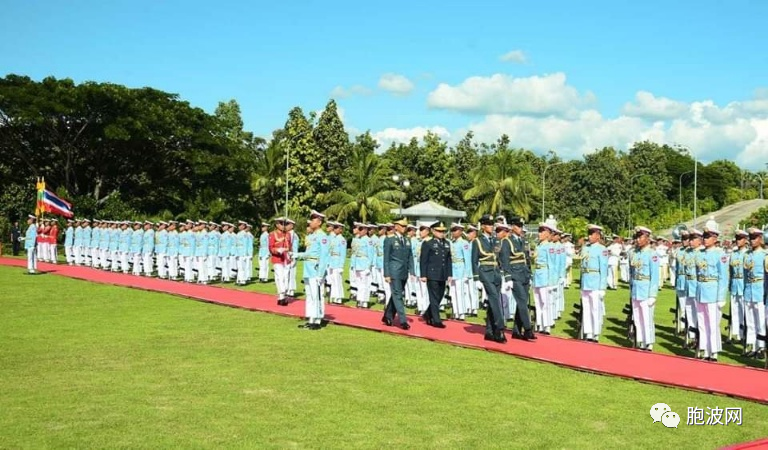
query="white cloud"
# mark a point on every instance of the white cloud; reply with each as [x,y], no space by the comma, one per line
[515,56]
[387,136]
[648,106]
[341,92]
[396,84]
[503,94]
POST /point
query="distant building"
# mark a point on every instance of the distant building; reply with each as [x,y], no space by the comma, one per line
[430,212]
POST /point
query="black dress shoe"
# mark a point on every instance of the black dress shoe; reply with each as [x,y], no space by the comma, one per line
[489,337]
[405,326]
[304,325]
[528,335]
[386,321]
[314,326]
[501,338]
[438,325]
[517,335]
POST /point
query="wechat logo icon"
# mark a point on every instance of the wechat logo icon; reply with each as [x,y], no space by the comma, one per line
[661,412]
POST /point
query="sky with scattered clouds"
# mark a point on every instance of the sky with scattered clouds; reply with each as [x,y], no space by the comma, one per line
[556,75]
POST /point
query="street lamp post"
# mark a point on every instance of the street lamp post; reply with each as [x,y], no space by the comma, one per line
[287,160]
[695,181]
[680,191]
[403,184]
[544,186]
[631,182]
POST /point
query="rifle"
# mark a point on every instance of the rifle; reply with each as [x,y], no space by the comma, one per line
[630,323]
[578,314]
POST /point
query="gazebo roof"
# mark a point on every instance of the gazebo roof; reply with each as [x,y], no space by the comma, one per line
[429,209]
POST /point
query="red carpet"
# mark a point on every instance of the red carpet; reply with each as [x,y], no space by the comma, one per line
[736,381]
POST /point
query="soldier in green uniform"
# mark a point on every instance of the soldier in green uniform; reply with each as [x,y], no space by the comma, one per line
[398,262]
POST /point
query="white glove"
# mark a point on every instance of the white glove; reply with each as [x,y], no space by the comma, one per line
[601,294]
[721,305]
[651,301]
[478,284]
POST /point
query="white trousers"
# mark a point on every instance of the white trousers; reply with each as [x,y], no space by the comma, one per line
[314,307]
[352,281]
[672,274]
[337,284]
[173,266]
[264,268]
[282,272]
[592,308]
[148,266]
[755,318]
[201,264]
[210,267]
[94,253]
[42,251]
[137,263]
[708,317]
[624,270]
[292,278]
[422,298]
[104,257]
[116,257]
[473,295]
[162,261]
[458,297]
[543,308]
[77,254]
[363,283]
[69,254]
[737,315]
[242,269]
[189,273]
[642,315]
[31,260]
[613,275]
[124,261]
[692,315]
[508,299]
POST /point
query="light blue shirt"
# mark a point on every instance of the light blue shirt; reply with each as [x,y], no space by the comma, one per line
[173,243]
[737,272]
[544,265]
[124,242]
[137,238]
[712,275]
[201,244]
[161,242]
[264,245]
[461,259]
[214,240]
[755,267]
[594,267]
[148,246]
[30,237]
[362,253]
[644,274]
[316,256]
[69,237]
[95,237]
[338,252]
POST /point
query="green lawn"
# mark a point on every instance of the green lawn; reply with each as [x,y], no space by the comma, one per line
[85,365]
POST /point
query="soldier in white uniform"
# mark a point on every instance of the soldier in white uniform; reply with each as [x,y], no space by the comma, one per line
[615,250]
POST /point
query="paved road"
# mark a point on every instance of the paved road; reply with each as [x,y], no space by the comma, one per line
[728,218]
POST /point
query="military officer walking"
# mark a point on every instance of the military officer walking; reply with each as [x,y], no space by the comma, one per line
[436,271]
[485,268]
[397,264]
[520,277]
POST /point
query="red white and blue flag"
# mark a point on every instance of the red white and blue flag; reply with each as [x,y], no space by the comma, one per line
[55,205]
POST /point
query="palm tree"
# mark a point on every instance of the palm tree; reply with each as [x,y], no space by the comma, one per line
[504,181]
[268,178]
[367,192]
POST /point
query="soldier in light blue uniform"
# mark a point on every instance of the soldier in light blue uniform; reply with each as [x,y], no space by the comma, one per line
[30,244]
[361,263]
[544,279]
[104,236]
[214,240]
[680,278]
[161,249]
[114,245]
[755,268]
[644,274]
[124,245]
[377,270]
[315,258]
[248,253]
[172,251]
[86,243]
[338,256]
[461,270]
[201,252]
[225,250]
[691,286]
[294,239]
[594,282]
[187,251]
[78,242]
[738,327]
[69,242]
[712,275]
[137,239]
[264,253]
[148,248]
[240,242]
[93,245]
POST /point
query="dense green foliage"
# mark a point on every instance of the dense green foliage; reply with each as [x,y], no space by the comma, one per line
[115,152]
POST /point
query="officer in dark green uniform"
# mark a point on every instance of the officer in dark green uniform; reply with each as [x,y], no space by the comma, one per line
[398,263]
[485,268]
[520,273]
[436,270]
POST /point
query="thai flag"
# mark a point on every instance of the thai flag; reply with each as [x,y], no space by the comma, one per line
[55,205]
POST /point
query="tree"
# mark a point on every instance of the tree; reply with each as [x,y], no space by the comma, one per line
[332,141]
[305,173]
[367,193]
[502,182]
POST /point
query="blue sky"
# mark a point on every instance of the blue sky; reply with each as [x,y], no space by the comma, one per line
[398,68]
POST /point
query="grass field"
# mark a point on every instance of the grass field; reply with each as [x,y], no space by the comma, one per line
[85,365]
